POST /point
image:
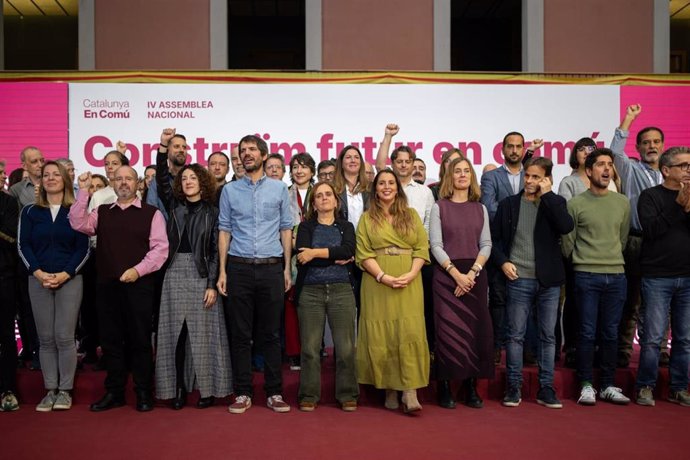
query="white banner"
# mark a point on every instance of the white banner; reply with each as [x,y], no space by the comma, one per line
[321,119]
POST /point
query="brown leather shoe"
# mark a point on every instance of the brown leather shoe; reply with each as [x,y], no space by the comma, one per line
[349,406]
[307,406]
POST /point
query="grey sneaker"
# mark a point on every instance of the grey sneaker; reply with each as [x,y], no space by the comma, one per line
[614,395]
[645,396]
[63,401]
[680,397]
[587,396]
[46,404]
[9,402]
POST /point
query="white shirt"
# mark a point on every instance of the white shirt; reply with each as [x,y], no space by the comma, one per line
[421,199]
[355,208]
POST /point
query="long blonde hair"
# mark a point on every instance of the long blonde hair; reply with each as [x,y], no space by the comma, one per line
[399,210]
[447,187]
[68,192]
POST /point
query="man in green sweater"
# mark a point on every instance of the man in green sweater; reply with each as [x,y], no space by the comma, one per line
[602,222]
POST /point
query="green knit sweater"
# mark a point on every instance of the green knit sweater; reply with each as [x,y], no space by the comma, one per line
[601,231]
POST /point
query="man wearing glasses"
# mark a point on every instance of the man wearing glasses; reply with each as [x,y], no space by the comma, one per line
[275,166]
[636,176]
[326,171]
[665,264]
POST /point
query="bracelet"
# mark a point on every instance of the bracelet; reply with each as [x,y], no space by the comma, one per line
[477,265]
[380,276]
[449,267]
[164,146]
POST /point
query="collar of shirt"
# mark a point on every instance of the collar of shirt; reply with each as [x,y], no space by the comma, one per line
[510,173]
[136,202]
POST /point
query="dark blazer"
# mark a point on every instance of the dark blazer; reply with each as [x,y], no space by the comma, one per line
[553,221]
[345,251]
[343,203]
[496,188]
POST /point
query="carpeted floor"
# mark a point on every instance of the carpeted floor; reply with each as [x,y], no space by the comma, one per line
[529,431]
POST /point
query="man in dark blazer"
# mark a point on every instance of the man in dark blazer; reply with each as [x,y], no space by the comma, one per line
[526,233]
[496,185]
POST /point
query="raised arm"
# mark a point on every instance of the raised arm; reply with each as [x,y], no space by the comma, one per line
[382,155]
[163,186]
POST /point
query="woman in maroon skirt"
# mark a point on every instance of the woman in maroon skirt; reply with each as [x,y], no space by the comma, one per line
[461,243]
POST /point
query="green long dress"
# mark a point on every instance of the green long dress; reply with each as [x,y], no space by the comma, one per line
[392,351]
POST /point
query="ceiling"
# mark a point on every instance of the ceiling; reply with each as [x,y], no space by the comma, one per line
[40,7]
[679,9]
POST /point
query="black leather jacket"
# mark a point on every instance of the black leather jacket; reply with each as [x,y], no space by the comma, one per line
[202,229]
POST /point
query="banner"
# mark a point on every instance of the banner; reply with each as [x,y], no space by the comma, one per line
[321,119]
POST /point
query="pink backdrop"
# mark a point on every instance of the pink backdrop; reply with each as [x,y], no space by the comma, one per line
[666,107]
[33,114]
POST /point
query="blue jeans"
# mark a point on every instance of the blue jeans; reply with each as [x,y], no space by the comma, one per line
[600,298]
[659,295]
[523,295]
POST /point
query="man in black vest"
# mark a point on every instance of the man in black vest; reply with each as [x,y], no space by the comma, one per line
[132,244]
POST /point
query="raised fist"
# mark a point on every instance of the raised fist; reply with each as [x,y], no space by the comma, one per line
[84,180]
[392,129]
[166,135]
[633,110]
[121,147]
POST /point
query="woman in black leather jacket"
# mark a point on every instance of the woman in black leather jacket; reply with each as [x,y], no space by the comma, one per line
[193,351]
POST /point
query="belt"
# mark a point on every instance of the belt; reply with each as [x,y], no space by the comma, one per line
[259,261]
[392,251]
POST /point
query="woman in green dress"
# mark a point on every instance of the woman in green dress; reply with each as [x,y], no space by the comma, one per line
[392,247]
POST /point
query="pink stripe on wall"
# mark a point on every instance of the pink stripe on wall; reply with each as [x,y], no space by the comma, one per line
[33,114]
[666,107]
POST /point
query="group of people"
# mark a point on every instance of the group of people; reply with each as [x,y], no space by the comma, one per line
[415,281]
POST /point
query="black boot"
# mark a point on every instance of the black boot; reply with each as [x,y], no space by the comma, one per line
[180,399]
[472,398]
[445,397]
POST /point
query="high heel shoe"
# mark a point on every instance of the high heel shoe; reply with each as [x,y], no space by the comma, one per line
[409,402]
[391,400]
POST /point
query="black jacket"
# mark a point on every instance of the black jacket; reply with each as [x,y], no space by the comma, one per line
[345,251]
[202,229]
[343,203]
[9,218]
[553,221]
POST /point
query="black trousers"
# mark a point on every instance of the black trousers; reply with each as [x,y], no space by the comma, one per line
[27,326]
[125,312]
[88,314]
[8,343]
[255,292]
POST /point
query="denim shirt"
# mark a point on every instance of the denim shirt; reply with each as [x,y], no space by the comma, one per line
[254,214]
[636,176]
[154,200]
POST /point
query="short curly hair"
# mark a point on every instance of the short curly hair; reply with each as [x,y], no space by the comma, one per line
[206,185]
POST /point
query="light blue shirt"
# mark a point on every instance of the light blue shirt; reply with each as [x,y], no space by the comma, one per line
[254,214]
[636,176]
[153,199]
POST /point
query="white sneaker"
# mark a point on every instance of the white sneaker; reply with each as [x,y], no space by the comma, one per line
[276,403]
[46,404]
[614,395]
[587,396]
[63,401]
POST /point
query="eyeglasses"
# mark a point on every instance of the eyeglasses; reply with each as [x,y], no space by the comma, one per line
[326,175]
[682,166]
[586,148]
[274,168]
